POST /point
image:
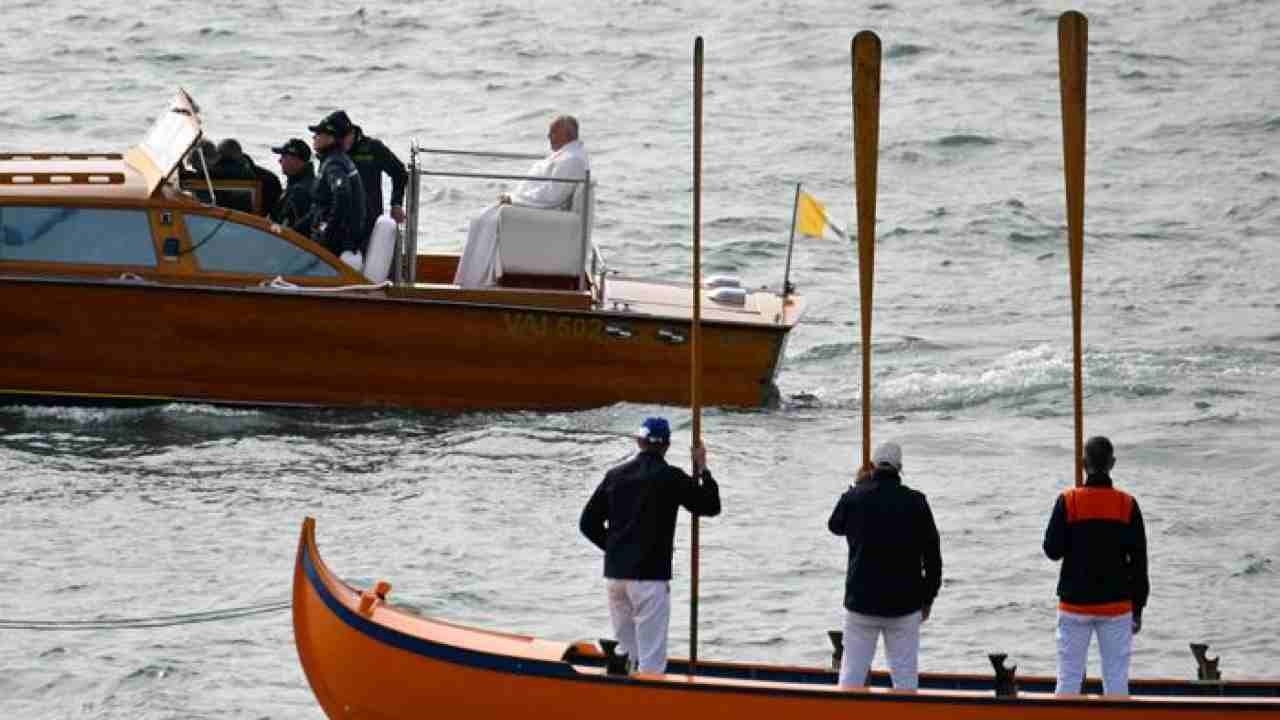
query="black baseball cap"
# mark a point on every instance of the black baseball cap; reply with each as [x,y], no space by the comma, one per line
[335,123]
[295,147]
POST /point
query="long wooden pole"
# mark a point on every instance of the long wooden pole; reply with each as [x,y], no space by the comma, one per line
[695,339]
[865,51]
[1073,44]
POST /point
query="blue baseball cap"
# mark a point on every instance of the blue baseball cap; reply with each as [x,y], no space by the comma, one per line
[654,430]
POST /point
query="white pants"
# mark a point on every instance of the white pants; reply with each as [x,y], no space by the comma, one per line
[1115,642]
[901,647]
[640,611]
[480,264]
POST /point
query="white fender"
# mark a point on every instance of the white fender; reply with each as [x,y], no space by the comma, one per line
[353,259]
[382,245]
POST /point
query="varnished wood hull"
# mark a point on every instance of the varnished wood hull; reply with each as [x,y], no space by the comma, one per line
[89,338]
[381,662]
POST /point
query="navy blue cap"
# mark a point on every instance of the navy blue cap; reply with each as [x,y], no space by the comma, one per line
[654,430]
[295,147]
[335,123]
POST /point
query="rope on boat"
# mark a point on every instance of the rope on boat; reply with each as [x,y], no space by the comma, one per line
[154,621]
[279,283]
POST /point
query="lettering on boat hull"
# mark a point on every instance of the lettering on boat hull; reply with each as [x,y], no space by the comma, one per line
[526,325]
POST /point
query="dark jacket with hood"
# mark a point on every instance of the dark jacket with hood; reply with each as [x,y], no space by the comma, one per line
[294,208]
[895,555]
[338,212]
[632,515]
[372,158]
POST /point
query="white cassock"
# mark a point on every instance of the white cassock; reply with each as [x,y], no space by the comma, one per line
[480,264]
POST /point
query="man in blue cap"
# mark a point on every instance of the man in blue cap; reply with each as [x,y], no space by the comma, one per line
[632,517]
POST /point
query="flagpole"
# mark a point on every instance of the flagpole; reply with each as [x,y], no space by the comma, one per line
[786,277]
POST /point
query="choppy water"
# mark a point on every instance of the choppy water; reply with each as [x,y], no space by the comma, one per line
[140,512]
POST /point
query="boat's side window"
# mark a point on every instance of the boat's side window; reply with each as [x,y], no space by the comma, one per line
[102,236]
[223,245]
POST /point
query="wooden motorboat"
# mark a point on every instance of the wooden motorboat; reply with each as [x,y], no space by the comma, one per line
[366,658]
[118,284]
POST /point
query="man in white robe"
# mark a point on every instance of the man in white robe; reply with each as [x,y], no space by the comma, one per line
[481,264]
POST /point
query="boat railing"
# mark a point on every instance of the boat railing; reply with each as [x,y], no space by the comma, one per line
[406,269]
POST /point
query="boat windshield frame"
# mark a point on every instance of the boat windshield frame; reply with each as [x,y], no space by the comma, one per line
[167,141]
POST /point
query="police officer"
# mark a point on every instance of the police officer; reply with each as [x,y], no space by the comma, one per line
[338,201]
[372,159]
[294,208]
[231,153]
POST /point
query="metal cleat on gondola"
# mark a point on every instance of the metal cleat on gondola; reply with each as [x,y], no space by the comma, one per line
[615,664]
[1207,667]
[837,648]
[1005,684]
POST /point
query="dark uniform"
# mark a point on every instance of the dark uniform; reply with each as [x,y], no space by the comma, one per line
[372,158]
[271,190]
[338,200]
[294,208]
[231,164]
[338,215]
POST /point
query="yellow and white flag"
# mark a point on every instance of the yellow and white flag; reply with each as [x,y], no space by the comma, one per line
[811,217]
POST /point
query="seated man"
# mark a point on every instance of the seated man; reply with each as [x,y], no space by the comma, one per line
[479,265]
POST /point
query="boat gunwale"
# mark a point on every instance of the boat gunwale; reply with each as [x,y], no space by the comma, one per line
[318,576]
[374,294]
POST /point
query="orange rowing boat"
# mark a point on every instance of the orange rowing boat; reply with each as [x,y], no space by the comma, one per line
[366,658]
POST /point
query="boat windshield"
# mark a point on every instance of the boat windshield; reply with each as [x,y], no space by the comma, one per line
[174,133]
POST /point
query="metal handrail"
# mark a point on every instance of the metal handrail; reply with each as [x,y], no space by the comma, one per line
[481,153]
[495,176]
[414,194]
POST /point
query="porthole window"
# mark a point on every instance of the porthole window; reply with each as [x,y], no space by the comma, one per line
[101,236]
[222,245]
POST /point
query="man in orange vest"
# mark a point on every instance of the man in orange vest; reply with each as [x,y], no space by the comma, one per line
[1097,532]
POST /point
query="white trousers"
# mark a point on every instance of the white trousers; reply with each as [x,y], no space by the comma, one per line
[641,611]
[901,648]
[480,264]
[1115,643]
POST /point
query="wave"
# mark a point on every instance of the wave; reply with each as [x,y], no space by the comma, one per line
[1254,565]
[960,140]
[905,50]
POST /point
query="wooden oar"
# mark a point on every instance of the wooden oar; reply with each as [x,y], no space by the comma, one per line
[865,50]
[695,339]
[1073,44]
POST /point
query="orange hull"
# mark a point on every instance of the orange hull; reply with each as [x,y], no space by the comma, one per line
[378,661]
[150,341]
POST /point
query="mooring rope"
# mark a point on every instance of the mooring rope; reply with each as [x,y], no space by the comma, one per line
[154,621]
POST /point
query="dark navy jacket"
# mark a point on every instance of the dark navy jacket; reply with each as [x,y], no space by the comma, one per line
[338,212]
[1098,534]
[895,555]
[632,515]
[373,158]
[294,209]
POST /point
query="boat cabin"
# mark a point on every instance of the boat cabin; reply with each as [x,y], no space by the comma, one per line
[125,216]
